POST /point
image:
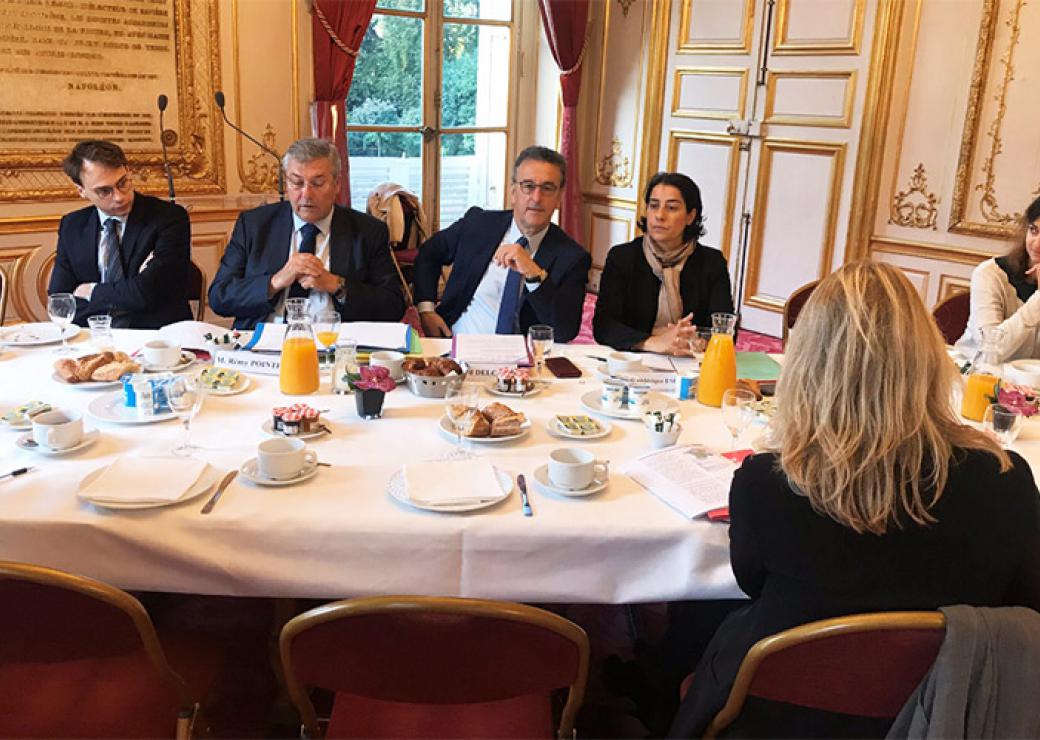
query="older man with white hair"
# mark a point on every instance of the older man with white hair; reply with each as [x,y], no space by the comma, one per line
[309,248]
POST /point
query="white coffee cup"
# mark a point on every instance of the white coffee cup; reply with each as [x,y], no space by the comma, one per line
[389,359]
[613,394]
[161,353]
[639,397]
[574,470]
[624,362]
[58,429]
[283,459]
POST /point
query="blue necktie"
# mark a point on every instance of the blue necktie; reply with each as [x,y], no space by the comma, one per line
[308,244]
[509,308]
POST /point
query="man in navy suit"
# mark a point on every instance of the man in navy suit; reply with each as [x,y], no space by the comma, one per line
[310,248]
[126,254]
[511,269]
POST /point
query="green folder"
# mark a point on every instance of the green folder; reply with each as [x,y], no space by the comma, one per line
[757,366]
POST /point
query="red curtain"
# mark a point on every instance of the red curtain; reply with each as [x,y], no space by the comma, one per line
[337,28]
[565,22]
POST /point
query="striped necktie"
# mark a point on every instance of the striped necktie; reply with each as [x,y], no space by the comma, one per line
[112,263]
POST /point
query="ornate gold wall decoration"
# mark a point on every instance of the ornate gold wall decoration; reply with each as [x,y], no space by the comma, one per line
[34,173]
[260,174]
[625,6]
[915,207]
[614,169]
[995,221]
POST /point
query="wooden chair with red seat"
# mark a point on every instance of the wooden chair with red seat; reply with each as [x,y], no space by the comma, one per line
[197,289]
[80,658]
[435,667]
[794,305]
[3,295]
[865,665]
[951,315]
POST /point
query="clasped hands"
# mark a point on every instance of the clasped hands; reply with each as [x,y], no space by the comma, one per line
[677,339]
[306,269]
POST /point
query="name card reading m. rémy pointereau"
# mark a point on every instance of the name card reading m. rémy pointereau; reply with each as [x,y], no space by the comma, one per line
[256,363]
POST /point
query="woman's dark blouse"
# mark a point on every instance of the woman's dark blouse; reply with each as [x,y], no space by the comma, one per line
[799,566]
[626,308]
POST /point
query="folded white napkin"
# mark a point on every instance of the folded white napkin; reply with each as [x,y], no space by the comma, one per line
[145,479]
[451,482]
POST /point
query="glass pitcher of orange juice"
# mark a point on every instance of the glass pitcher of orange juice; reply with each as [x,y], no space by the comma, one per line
[719,366]
[299,371]
[981,385]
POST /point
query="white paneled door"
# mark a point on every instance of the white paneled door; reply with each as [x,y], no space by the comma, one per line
[762,110]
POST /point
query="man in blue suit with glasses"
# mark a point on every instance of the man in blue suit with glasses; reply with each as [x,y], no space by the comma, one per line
[510,269]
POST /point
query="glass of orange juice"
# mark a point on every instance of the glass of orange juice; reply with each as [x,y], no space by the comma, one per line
[326,330]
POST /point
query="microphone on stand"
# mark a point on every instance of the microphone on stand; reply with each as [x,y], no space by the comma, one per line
[163,102]
[218,96]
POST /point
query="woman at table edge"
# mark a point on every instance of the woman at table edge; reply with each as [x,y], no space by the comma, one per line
[877,497]
[654,288]
[1004,295]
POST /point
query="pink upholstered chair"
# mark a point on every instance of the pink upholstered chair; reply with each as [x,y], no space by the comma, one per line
[793,306]
[435,667]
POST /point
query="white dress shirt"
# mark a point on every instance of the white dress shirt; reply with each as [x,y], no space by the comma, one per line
[317,300]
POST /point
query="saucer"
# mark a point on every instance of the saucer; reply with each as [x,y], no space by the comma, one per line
[658,402]
[557,430]
[186,359]
[89,437]
[250,471]
[541,477]
[87,385]
[323,428]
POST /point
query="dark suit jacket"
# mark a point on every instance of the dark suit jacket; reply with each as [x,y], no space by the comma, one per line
[359,252]
[628,291]
[149,298]
[800,566]
[469,244]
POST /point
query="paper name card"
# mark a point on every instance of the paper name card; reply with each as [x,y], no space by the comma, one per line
[491,349]
[254,363]
[689,479]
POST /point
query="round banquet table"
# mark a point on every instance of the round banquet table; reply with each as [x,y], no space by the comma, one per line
[340,534]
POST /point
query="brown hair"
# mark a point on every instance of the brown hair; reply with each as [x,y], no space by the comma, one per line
[93,150]
[1017,257]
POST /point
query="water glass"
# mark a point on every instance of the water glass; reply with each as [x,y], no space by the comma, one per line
[1002,423]
[461,404]
[346,366]
[100,331]
[540,341]
[737,412]
[61,308]
[185,395]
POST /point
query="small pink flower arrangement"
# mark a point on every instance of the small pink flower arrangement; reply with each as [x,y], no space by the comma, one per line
[1021,399]
[373,379]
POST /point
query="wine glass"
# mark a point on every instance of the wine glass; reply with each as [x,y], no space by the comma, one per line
[737,412]
[461,404]
[326,329]
[61,307]
[185,395]
[540,339]
[1002,423]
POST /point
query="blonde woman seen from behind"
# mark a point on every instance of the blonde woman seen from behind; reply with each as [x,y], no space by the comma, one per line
[1004,295]
[877,497]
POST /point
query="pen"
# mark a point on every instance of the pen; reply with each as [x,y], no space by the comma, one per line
[15,473]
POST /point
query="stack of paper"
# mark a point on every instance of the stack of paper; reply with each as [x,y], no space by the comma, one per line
[689,479]
[490,351]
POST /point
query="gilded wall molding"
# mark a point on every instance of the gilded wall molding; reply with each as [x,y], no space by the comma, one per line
[915,207]
[196,160]
[260,173]
[784,44]
[798,119]
[710,138]
[615,169]
[737,46]
[996,220]
[626,5]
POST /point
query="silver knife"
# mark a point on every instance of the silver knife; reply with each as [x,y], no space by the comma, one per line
[522,484]
[220,490]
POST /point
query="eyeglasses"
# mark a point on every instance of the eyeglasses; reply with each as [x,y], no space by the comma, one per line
[316,184]
[529,186]
[123,185]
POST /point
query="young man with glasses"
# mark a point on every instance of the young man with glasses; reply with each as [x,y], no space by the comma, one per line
[126,254]
[310,248]
[510,269]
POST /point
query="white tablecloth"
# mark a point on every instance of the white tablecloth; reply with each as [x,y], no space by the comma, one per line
[340,534]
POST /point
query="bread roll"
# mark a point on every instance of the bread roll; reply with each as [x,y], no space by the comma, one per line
[87,365]
[497,410]
[413,364]
[506,426]
[478,427]
[445,365]
[66,370]
[115,370]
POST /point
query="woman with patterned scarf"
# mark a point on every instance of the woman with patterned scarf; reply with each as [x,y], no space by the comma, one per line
[654,288]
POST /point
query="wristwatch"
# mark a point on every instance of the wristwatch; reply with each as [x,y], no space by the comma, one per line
[542,275]
[341,290]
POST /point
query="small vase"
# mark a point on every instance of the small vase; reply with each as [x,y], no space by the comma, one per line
[369,402]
